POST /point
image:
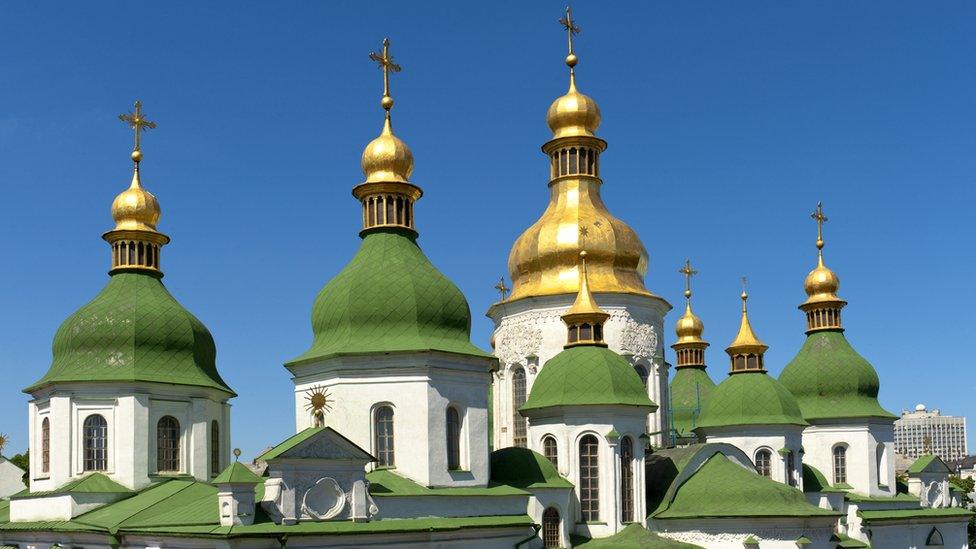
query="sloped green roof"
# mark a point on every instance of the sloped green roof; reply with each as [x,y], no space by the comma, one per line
[526,469]
[928,463]
[815,481]
[587,375]
[237,473]
[307,433]
[633,536]
[831,380]
[902,514]
[845,541]
[384,482]
[721,488]
[751,398]
[134,330]
[389,298]
[94,483]
[689,390]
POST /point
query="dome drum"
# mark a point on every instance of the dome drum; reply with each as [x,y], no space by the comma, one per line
[135,249]
[574,156]
[824,315]
[387,204]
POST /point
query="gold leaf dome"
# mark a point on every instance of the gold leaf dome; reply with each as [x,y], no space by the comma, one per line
[689,327]
[746,341]
[821,284]
[387,159]
[135,209]
[573,114]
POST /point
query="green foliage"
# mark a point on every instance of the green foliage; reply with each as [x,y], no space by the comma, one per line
[23,461]
[967,485]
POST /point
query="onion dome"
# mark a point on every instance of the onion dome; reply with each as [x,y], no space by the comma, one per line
[134,330]
[542,261]
[690,347]
[691,384]
[749,396]
[689,327]
[389,297]
[829,379]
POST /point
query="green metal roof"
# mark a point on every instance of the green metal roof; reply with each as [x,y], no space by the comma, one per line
[237,473]
[307,433]
[526,469]
[689,389]
[94,483]
[844,541]
[389,298]
[633,536]
[134,330]
[751,398]
[831,380]
[587,375]
[386,483]
[721,488]
[920,513]
[815,481]
[928,463]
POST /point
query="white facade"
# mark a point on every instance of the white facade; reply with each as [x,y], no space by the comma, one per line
[778,442]
[530,331]
[771,533]
[868,465]
[419,387]
[922,431]
[11,478]
[131,413]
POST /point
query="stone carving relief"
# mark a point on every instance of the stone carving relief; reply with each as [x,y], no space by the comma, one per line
[520,336]
[935,494]
[324,500]
[637,338]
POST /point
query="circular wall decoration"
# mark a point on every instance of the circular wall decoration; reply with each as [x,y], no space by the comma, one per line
[324,500]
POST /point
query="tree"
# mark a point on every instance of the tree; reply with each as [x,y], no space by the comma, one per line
[23,461]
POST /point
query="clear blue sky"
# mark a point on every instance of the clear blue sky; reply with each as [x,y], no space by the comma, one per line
[726,123]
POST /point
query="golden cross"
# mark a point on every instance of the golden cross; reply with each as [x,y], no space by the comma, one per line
[820,218]
[571,27]
[137,122]
[688,272]
[385,63]
[502,288]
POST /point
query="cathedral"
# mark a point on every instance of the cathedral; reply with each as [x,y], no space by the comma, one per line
[576,430]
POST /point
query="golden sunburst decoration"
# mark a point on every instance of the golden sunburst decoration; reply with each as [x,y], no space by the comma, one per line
[3,441]
[318,400]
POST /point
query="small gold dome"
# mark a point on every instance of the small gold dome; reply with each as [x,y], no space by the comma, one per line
[387,159]
[573,114]
[135,209]
[689,327]
[821,284]
[746,341]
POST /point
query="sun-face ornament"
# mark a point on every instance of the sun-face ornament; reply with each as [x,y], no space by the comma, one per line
[318,402]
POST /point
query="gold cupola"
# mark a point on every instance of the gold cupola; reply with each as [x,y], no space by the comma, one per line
[746,350]
[135,241]
[387,196]
[822,306]
[585,318]
[543,260]
[690,347]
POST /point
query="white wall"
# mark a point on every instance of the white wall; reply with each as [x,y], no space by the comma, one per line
[532,327]
[752,438]
[862,440]
[11,478]
[772,533]
[912,536]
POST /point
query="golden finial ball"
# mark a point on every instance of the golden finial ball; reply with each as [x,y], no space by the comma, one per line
[386,102]
[572,60]
[687,293]
[820,243]
[583,254]
[136,155]
[237,452]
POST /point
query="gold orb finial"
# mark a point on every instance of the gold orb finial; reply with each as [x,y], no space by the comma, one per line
[573,114]
[746,341]
[387,159]
[136,208]
[821,284]
[689,327]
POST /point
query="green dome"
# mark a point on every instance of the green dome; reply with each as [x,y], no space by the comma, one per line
[689,390]
[524,468]
[752,398]
[587,375]
[389,298]
[830,380]
[134,330]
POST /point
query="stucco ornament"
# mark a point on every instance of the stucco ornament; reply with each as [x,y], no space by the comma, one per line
[935,494]
[638,338]
[324,500]
[518,338]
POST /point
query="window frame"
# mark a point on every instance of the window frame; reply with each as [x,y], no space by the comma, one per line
[386,458]
[169,458]
[588,453]
[90,460]
[454,437]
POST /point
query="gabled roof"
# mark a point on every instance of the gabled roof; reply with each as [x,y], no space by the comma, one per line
[316,443]
[95,483]
[815,482]
[523,468]
[929,464]
[236,473]
[633,536]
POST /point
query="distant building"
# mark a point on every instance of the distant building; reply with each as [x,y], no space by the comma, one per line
[924,431]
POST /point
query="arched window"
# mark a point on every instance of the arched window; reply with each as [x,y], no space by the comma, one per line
[168,444]
[383,436]
[214,448]
[881,469]
[453,438]
[518,399]
[589,478]
[627,479]
[642,372]
[45,446]
[791,468]
[840,464]
[764,463]
[95,443]
[550,449]
[550,528]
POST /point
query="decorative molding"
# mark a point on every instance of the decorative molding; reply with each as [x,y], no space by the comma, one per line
[637,338]
[324,500]
[520,336]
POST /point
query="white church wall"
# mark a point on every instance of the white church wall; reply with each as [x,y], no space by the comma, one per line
[396,507]
[528,332]
[914,535]
[771,533]
[11,478]
[777,439]
[862,441]
[560,499]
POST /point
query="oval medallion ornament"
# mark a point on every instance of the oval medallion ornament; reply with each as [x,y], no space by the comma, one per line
[325,500]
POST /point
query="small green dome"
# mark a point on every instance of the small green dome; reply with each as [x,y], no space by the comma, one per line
[134,330]
[587,375]
[524,468]
[389,298]
[831,380]
[752,398]
[689,390]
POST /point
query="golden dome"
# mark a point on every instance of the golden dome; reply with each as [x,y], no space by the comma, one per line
[387,159]
[821,284]
[573,114]
[746,341]
[689,327]
[135,209]
[585,307]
